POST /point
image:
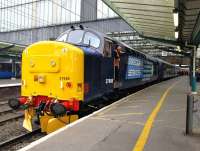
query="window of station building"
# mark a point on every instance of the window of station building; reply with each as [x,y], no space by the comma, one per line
[103,11]
[23,14]
[91,39]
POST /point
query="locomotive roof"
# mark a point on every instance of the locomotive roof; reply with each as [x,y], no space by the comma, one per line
[102,36]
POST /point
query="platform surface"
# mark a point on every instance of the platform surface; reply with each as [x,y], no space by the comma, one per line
[9,82]
[150,120]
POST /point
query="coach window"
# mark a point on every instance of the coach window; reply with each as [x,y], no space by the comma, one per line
[91,39]
[107,48]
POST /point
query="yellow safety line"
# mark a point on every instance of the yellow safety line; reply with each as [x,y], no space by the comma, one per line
[139,146]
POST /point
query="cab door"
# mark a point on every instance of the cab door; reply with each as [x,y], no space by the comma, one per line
[107,67]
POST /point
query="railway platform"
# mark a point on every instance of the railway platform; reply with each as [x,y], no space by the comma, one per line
[9,82]
[152,119]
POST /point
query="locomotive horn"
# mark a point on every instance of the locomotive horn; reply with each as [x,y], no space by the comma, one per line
[81,27]
[58,109]
[72,27]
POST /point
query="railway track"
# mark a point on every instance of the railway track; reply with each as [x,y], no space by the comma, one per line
[9,92]
[14,118]
[12,135]
[21,140]
[7,114]
[3,102]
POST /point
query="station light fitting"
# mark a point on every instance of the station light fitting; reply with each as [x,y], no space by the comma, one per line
[176,33]
[175,15]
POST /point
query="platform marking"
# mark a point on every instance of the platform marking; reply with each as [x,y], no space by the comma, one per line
[139,101]
[130,106]
[158,121]
[109,109]
[123,114]
[115,120]
[139,146]
[176,110]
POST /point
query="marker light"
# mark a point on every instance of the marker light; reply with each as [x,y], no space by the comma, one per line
[175,15]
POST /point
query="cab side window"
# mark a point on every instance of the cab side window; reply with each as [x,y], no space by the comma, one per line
[91,39]
[107,48]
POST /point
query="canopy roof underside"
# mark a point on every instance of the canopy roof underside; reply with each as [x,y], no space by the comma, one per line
[154,18]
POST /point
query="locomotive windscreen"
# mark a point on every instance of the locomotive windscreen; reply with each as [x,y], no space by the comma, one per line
[80,37]
[72,36]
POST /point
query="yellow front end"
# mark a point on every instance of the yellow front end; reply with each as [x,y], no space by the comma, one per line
[53,69]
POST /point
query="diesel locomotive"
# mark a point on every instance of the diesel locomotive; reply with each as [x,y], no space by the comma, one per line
[59,77]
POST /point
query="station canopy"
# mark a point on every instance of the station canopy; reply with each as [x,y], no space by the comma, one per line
[8,50]
[157,18]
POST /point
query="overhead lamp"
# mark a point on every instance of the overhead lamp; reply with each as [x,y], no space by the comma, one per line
[176,33]
[175,15]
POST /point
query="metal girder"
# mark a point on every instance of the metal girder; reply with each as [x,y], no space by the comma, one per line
[154,30]
[173,51]
[146,2]
[152,19]
[137,12]
[148,15]
[166,41]
[141,22]
[151,9]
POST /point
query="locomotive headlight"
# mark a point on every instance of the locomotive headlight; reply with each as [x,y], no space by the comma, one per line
[41,78]
[58,109]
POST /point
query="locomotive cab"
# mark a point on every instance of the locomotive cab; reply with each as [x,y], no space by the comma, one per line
[59,76]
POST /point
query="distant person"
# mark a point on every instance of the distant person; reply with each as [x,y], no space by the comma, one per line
[117,52]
